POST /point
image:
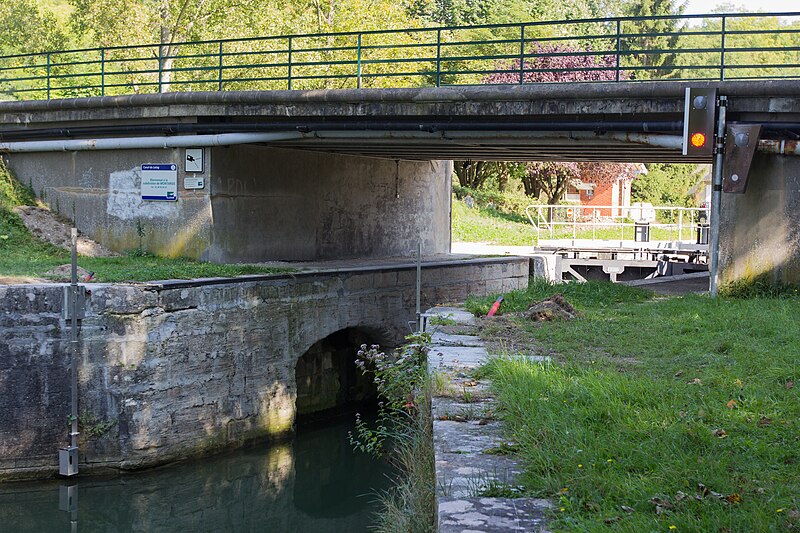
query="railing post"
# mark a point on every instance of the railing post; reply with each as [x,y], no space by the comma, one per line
[289,67]
[522,54]
[618,46]
[722,52]
[219,68]
[358,79]
[48,75]
[102,72]
[438,58]
[160,67]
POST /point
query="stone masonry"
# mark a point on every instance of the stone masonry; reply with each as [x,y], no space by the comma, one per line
[172,370]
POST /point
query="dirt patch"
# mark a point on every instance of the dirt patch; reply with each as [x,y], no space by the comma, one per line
[19,280]
[42,223]
[63,274]
[503,334]
[554,308]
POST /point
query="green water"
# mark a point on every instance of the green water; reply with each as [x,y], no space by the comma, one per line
[314,484]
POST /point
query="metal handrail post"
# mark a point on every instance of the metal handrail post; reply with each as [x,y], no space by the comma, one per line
[522,54]
[722,52]
[619,23]
[102,72]
[289,67]
[48,75]
[160,67]
[359,62]
[219,67]
[438,58]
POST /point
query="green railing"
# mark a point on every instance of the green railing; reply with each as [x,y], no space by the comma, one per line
[693,47]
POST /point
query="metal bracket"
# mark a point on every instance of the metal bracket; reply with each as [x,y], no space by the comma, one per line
[741,141]
[66,308]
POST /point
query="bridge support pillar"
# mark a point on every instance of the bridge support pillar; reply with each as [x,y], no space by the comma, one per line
[760,230]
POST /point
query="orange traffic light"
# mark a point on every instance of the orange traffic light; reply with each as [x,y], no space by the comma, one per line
[698,140]
[699,121]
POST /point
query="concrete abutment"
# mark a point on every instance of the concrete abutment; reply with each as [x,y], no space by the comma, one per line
[760,230]
[257,203]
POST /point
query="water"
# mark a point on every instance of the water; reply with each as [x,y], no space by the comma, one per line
[314,484]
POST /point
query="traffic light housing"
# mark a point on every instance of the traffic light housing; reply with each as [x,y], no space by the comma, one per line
[699,121]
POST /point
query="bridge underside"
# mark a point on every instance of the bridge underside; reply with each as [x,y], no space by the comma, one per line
[635,122]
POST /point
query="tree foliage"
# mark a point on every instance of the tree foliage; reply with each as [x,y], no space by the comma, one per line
[667,184]
[560,62]
[28,29]
[649,35]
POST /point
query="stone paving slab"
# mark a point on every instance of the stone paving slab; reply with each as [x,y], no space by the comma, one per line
[464,431]
[449,339]
[492,515]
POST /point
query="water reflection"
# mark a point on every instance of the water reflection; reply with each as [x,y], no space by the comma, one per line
[316,483]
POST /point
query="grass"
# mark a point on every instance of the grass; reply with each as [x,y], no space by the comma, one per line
[23,255]
[511,229]
[673,414]
[490,226]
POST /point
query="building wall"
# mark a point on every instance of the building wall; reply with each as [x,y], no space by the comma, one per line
[177,369]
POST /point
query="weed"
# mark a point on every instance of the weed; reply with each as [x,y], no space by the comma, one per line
[439,320]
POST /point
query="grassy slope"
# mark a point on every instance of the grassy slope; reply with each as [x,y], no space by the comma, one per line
[489,226]
[22,254]
[631,412]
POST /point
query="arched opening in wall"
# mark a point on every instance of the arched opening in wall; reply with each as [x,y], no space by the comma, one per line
[328,381]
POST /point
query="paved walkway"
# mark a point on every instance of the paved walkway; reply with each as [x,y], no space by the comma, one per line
[475,469]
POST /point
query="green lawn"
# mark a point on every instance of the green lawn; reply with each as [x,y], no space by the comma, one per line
[676,414]
[511,229]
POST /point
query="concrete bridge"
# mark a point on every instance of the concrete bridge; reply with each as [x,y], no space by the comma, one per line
[172,370]
[301,175]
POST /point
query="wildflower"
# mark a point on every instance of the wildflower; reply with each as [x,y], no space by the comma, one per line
[672,527]
[580,465]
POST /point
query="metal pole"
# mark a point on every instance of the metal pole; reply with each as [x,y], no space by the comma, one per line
[722,53]
[618,49]
[419,285]
[438,58]
[289,67]
[102,72]
[48,75]
[359,60]
[716,199]
[74,342]
[522,54]
[219,67]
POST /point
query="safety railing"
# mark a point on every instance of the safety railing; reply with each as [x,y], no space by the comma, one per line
[607,222]
[692,47]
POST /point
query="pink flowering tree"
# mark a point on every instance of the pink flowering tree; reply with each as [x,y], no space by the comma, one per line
[554,63]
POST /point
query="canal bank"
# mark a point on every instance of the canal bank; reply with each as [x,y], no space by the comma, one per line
[178,369]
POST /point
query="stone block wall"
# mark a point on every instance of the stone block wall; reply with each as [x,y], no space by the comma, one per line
[173,370]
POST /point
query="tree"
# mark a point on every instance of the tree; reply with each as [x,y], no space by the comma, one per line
[645,36]
[475,174]
[549,63]
[667,184]
[27,29]
[563,63]
[549,178]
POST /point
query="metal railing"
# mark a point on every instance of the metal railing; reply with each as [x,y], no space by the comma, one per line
[607,222]
[691,47]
